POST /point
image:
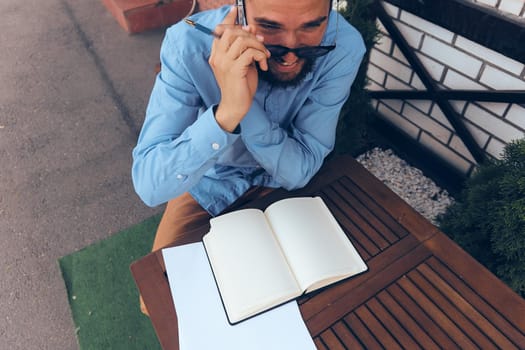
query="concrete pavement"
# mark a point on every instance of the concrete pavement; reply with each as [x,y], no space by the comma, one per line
[74,87]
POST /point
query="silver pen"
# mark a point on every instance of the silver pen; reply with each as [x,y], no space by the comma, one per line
[241,20]
[241,15]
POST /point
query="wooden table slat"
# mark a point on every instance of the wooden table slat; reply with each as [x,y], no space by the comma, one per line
[406,216]
[370,216]
[436,314]
[357,326]
[373,206]
[421,318]
[487,285]
[487,330]
[460,320]
[319,344]
[387,319]
[407,322]
[358,220]
[346,336]
[331,340]
[375,326]
[498,323]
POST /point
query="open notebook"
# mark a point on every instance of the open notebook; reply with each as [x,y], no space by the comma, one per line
[263,259]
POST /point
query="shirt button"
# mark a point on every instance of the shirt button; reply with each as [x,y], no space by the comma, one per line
[180,177]
[215,146]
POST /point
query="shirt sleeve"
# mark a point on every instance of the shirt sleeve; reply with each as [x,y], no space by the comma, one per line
[179,140]
[294,155]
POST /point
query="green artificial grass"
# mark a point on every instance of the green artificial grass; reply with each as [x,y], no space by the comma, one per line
[102,293]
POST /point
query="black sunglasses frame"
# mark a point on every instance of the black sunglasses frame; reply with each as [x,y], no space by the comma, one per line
[278,51]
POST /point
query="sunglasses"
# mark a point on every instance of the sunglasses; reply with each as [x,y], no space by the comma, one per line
[279,51]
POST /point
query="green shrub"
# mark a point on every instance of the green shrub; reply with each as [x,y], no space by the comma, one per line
[488,219]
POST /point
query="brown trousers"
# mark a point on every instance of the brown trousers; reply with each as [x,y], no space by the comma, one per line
[183,214]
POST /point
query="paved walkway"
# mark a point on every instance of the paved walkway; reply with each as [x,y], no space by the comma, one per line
[73,91]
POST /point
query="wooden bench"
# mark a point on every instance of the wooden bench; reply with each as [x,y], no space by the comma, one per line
[421,291]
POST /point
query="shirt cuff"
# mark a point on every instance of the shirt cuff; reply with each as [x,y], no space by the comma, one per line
[208,137]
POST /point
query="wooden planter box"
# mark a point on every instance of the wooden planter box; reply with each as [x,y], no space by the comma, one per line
[139,15]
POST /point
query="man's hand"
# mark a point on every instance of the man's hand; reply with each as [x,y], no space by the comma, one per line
[233,61]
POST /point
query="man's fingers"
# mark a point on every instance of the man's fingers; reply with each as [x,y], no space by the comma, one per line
[237,46]
[240,45]
[251,55]
[228,21]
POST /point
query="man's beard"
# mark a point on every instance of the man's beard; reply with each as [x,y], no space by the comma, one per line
[274,80]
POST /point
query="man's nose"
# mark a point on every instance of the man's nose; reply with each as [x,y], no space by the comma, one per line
[289,39]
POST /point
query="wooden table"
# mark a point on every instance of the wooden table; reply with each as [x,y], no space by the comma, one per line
[421,290]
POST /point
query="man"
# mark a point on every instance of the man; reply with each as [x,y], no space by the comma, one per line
[228,117]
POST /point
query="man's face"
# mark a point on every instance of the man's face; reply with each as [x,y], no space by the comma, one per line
[290,23]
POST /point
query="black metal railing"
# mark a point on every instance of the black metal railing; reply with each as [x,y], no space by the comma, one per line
[486,27]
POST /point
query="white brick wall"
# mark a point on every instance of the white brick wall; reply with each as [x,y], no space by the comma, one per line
[514,7]
[454,62]
[398,120]
[491,124]
[516,115]
[500,80]
[491,57]
[446,152]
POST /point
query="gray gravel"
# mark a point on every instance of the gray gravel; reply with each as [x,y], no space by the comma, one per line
[408,182]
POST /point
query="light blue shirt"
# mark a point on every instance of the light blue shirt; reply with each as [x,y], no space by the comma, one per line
[283,139]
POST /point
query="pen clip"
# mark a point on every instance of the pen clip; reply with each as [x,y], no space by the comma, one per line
[190,22]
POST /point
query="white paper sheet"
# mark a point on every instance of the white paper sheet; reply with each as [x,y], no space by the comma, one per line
[202,319]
